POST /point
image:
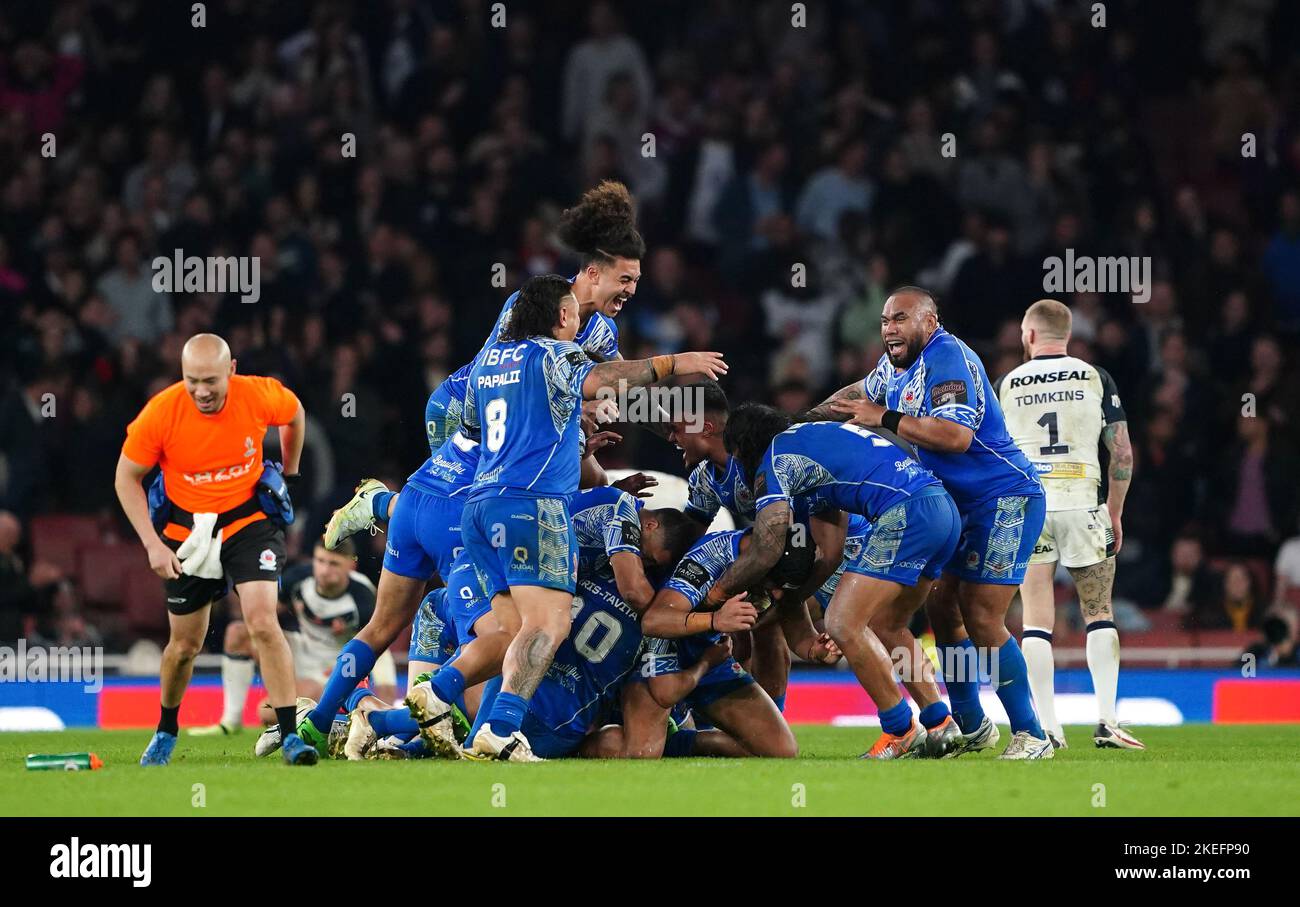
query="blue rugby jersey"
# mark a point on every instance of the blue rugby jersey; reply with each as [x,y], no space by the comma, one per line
[523,404]
[948,381]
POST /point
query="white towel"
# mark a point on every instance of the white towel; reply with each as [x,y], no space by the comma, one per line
[200,554]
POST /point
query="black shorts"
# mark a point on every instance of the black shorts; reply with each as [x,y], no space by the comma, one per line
[256,552]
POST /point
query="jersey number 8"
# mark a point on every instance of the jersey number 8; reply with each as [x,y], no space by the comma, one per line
[496,424]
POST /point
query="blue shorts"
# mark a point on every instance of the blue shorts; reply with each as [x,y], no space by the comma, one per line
[910,540]
[433,636]
[521,542]
[997,540]
[423,534]
[466,600]
[721,681]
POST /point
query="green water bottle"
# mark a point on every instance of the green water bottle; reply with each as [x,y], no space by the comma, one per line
[68,762]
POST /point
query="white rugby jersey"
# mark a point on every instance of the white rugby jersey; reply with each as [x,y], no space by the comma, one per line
[1056,407]
[354,605]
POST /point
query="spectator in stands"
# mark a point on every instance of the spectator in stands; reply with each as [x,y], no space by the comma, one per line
[1286,575]
[1281,262]
[1193,588]
[138,310]
[1257,497]
[1237,604]
[1277,646]
[24,594]
[834,189]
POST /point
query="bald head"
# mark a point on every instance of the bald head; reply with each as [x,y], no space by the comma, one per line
[205,350]
[909,319]
[206,367]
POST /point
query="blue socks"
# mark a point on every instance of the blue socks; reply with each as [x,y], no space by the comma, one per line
[387,722]
[353,663]
[961,676]
[448,683]
[896,720]
[379,505]
[681,743]
[780,703]
[355,697]
[507,714]
[934,714]
[490,692]
[1013,689]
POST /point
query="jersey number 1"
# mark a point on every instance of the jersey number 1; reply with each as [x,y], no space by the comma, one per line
[1048,421]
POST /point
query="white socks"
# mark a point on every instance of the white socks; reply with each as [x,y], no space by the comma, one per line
[236,678]
[1103,664]
[1036,644]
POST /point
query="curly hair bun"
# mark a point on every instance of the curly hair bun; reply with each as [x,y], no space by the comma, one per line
[602,225]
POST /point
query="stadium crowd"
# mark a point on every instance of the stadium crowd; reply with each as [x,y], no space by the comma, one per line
[951,144]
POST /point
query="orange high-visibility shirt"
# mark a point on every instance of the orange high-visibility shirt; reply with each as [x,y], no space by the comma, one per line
[210,463]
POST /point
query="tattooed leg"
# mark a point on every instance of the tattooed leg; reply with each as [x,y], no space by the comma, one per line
[1094,587]
[544,615]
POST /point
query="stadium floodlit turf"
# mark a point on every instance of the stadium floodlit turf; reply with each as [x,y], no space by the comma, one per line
[1192,770]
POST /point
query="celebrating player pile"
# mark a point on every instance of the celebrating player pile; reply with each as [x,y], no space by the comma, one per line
[572,620]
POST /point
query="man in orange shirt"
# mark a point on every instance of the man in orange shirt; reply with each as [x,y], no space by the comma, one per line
[205,433]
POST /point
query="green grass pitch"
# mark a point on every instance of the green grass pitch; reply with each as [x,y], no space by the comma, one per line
[1191,770]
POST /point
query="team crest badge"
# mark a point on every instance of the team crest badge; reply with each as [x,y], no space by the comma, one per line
[266,560]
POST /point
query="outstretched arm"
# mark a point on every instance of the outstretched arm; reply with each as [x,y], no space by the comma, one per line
[929,432]
[640,372]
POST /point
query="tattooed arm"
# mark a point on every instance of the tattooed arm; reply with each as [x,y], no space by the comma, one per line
[640,372]
[1120,474]
[823,412]
[767,541]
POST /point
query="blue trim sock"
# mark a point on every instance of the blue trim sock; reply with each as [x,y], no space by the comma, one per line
[780,703]
[353,663]
[387,722]
[960,665]
[491,690]
[379,505]
[507,714]
[448,683]
[415,747]
[355,697]
[934,714]
[1013,689]
[681,743]
[896,720]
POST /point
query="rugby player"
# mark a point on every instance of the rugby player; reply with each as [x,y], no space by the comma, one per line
[913,531]
[1059,411]
[686,621]
[715,483]
[932,391]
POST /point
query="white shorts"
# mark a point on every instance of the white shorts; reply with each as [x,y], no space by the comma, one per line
[1077,538]
[313,661]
